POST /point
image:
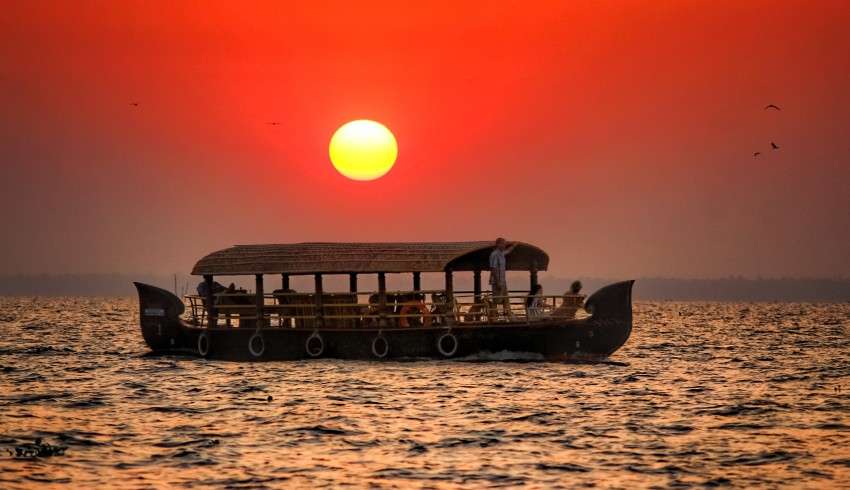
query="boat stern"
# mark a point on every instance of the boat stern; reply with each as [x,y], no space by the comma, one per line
[159,317]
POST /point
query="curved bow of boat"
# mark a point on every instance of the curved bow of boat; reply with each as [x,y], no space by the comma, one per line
[611,313]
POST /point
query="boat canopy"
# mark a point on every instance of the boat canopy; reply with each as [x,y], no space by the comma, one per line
[349,258]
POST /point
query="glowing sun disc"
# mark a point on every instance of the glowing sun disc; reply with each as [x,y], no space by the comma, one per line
[363,150]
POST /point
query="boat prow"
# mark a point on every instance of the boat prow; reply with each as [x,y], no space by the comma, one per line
[611,315]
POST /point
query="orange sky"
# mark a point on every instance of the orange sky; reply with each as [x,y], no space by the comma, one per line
[617,135]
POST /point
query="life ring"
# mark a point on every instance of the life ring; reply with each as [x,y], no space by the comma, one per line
[411,307]
[447,352]
[317,351]
[257,351]
[377,350]
[204,344]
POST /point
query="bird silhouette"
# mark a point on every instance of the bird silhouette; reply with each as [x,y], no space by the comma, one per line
[774,145]
[273,123]
[756,154]
[772,106]
[134,104]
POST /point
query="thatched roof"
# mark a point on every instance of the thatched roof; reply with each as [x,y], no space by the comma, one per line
[341,258]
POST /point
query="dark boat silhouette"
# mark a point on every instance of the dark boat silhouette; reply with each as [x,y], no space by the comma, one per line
[287,325]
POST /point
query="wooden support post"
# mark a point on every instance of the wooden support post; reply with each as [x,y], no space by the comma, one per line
[450,295]
[352,288]
[260,299]
[319,301]
[212,318]
[284,285]
[382,298]
[417,281]
[533,277]
[476,286]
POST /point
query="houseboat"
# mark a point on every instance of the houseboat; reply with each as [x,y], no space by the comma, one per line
[225,323]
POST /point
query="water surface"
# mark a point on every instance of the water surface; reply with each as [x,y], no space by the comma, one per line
[712,394]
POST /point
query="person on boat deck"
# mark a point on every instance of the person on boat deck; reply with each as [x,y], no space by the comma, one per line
[216,288]
[535,302]
[498,282]
[571,301]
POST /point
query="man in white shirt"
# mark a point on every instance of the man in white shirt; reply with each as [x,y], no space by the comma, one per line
[498,282]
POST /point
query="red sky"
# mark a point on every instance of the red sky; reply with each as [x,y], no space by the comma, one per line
[617,135]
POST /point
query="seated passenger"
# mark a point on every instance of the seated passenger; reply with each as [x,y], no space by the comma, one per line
[216,288]
[442,308]
[535,303]
[570,302]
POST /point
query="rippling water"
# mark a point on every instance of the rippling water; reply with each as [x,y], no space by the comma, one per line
[710,394]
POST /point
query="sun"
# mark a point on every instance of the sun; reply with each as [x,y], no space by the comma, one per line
[363,150]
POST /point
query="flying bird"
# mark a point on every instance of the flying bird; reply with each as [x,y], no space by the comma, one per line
[273,123]
[756,154]
[134,104]
[772,106]
[774,145]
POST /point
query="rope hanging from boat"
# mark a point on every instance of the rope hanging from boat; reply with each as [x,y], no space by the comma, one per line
[204,344]
[312,339]
[257,351]
[454,344]
[380,346]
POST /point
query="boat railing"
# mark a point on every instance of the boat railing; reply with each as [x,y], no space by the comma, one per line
[400,309]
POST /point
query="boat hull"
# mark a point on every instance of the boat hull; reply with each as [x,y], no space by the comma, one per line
[593,338]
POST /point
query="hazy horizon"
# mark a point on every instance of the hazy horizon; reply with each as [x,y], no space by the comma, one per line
[436,276]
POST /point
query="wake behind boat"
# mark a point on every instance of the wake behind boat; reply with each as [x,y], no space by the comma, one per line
[235,325]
